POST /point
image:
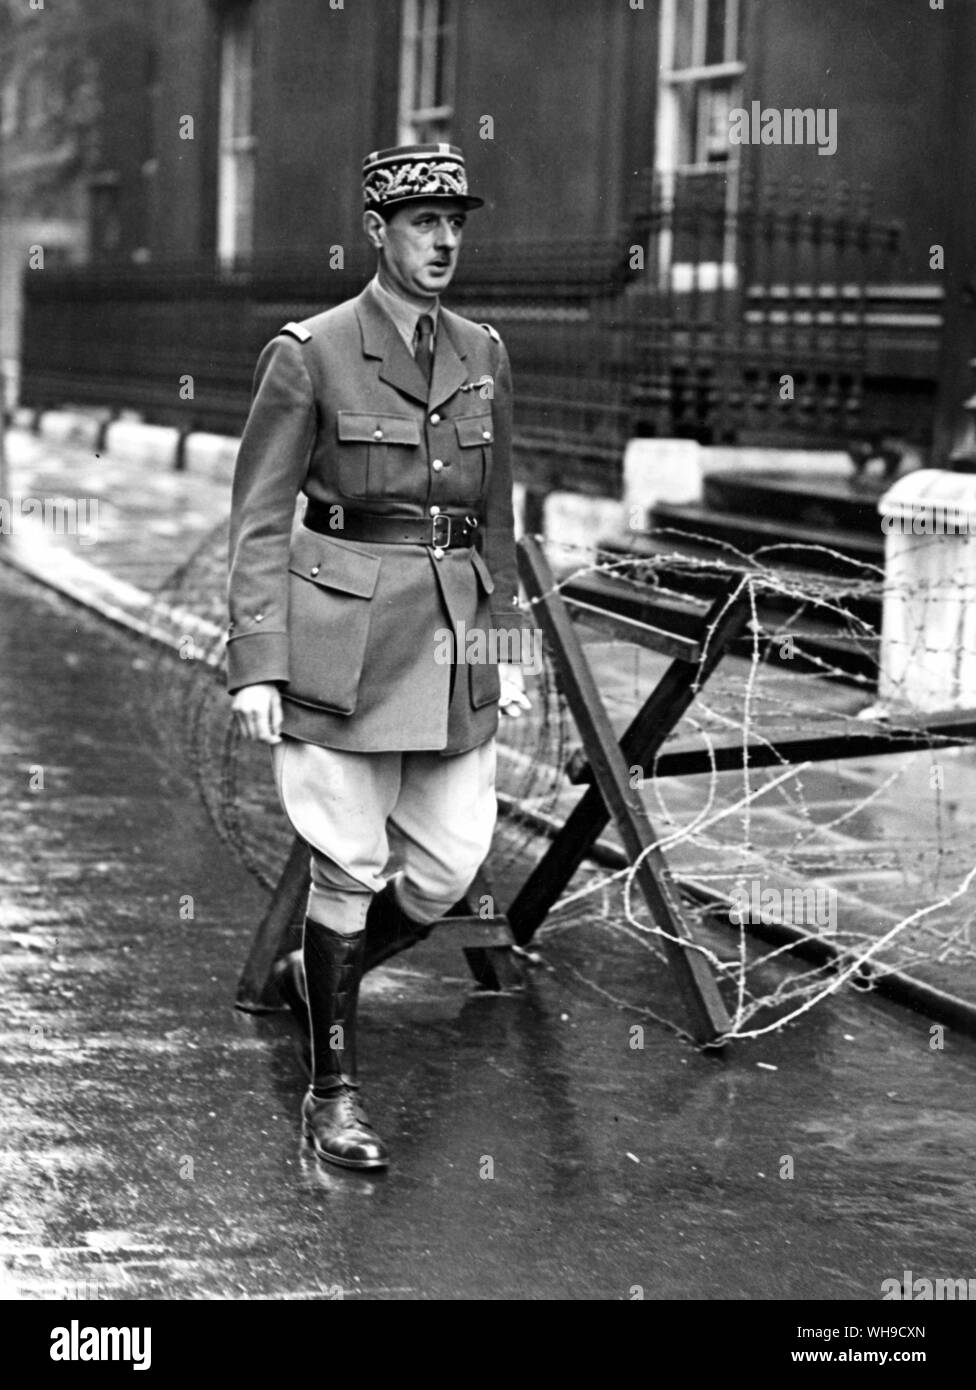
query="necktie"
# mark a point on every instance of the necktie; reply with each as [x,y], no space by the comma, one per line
[422,345]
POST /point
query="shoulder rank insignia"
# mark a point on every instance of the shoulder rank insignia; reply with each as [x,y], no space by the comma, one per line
[297,331]
[492,332]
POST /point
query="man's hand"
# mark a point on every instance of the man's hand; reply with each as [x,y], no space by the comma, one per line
[257,710]
[513,699]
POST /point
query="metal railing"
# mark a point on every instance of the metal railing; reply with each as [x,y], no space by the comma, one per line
[761,324]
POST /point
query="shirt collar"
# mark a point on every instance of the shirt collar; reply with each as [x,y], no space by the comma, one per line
[404,315]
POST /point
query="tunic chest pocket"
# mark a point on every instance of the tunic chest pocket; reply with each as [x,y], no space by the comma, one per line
[475,433]
[379,456]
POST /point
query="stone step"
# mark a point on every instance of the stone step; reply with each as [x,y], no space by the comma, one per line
[806,500]
[828,648]
[696,569]
[831,550]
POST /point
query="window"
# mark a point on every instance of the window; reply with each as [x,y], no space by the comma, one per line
[696,163]
[36,98]
[149,166]
[427,66]
[9,109]
[699,49]
[235,175]
[106,221]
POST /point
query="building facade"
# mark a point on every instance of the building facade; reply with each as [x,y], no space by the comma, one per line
[775,164]
[71,94]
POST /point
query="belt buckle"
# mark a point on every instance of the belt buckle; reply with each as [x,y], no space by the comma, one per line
[436,541]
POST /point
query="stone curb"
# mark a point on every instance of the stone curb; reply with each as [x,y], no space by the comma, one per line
[207,455]
[125,605]
[70,427]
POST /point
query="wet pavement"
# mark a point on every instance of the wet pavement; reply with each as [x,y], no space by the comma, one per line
[879,838]
[542,1148]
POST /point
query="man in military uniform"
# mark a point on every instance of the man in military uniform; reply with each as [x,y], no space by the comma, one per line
[393,416]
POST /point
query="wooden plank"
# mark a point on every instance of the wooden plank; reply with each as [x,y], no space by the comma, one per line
[703,1002]
[472,931]
[661,711]
[849,657]
[633,630]
[487,942]
[873,741]
[632,599]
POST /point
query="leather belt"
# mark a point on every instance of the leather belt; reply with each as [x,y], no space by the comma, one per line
[442,531]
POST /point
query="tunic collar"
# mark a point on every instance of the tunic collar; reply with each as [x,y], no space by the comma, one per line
[404,315]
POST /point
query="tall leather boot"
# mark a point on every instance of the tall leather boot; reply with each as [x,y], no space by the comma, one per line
[388,932]
[333,1117]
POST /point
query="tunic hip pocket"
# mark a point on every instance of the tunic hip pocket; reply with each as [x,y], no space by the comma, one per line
[331,586]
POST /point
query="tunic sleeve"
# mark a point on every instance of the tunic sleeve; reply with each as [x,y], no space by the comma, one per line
[499,520]
[271,468]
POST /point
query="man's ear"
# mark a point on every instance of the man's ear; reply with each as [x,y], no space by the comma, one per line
[374,227]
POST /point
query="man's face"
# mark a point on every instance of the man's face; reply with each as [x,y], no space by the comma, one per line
[419,246]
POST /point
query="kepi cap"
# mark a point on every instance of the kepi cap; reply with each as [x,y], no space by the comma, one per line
[408,172]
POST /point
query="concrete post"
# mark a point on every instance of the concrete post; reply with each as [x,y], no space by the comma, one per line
[928,630]
[659,470]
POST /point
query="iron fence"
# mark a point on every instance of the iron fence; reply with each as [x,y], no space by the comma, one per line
[778,320]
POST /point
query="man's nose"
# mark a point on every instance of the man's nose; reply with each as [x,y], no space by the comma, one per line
[447,235]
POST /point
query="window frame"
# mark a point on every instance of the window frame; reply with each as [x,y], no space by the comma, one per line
[673,135]
[11,107]
[236,147]
[427,44]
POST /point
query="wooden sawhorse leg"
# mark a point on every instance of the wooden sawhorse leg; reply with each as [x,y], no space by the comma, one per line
[611,794]
[255,992]
[485,937]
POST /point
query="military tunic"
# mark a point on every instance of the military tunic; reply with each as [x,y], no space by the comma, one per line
[351,630]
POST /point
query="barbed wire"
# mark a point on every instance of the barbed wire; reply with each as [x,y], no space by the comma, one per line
[864,834]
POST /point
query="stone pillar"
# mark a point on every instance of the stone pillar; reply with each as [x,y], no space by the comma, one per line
[954,227]
[928,630]
[659,470]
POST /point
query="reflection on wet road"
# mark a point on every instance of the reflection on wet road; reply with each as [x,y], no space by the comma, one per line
[150,1140]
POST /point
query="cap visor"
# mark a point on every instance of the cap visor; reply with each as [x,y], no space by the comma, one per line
[467,200]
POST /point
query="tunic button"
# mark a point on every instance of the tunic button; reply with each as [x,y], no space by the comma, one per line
[438,553]
[486,434]
[377,434]
[259,617]
[314,570]
[435,511]
[435,419]
[437,465]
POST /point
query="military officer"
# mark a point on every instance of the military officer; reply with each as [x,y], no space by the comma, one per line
[392,415]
